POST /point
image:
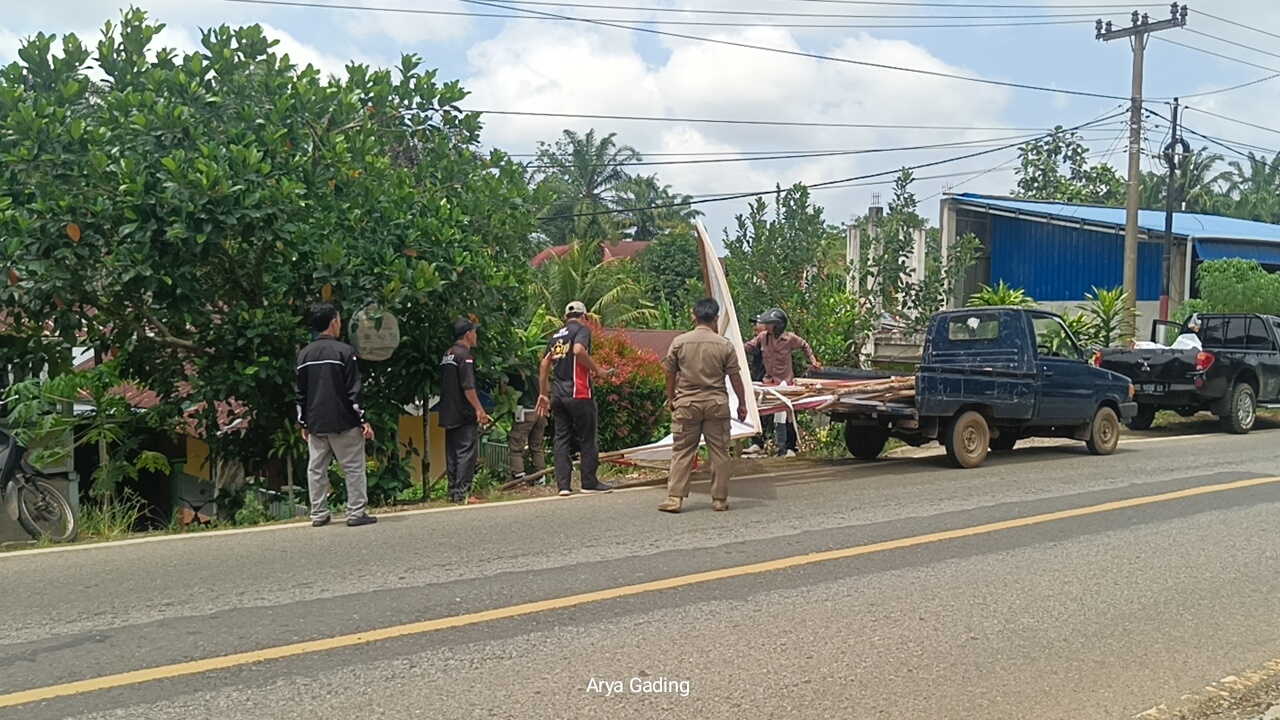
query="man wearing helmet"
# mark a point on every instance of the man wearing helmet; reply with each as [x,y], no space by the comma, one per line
[776,346]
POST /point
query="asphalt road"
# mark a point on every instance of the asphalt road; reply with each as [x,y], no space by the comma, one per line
[983,593]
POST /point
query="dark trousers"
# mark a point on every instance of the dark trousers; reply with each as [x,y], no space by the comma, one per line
[461,450]
[785,433]
[575,420]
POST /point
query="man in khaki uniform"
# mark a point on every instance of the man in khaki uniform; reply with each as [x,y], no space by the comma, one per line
[696,366]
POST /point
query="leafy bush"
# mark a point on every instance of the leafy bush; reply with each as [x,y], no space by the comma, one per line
[1002,295]
[632,401]
[1233,286]
[112,520]
[1109,317]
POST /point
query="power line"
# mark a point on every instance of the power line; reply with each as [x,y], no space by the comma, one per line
[1224,144]
[1233,87]
[1232,42]
[696,38]
[1237,24]
[769,13]
[1217,55]
[1234,120]
[986,142]
[736,121]
[829,183]
[656,21]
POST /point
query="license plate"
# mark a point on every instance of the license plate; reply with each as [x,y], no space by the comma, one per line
[1151,388]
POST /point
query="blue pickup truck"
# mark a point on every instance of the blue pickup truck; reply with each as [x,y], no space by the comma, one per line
[988,377]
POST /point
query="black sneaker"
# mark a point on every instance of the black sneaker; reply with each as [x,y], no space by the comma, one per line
[598,488]
[361,520]
[322,523]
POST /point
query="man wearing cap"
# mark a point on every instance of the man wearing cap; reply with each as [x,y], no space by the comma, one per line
[777,346]
[461,414]
[569,400]
[697,365]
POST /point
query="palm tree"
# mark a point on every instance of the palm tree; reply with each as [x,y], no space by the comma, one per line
[1197,186]
[582,172]
[1255,188]
[612,297]
[648,208]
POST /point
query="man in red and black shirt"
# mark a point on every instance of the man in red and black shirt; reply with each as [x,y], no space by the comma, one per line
[569,400]
[461,413]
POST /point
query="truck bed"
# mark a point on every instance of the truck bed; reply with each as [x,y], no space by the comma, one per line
[1155,372]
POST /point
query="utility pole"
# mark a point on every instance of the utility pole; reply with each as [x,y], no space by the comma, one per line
[1175,154]
[1139,30]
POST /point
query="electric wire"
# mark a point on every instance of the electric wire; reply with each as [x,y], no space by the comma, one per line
[714,41]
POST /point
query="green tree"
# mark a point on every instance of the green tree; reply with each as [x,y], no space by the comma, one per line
[1198,185]
[776,253]
[1057,168]
[609,289]
[183,213]
[1254,186]
[673,271]
[647,210]
[581,173]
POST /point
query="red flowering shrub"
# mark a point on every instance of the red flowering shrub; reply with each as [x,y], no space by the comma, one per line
[632,401]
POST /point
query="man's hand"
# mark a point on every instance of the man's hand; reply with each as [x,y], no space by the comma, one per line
[609,372]
[543,408]
[482,417]
[671,404]
[306,436]
[742,412]
[368,431]
[817,365]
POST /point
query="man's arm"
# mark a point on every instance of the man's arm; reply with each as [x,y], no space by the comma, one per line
[468,379]
[753,345]
[300,399]
[355,394]
[808,352]
[584,357]
[543,407]
[671,389]
[735,380]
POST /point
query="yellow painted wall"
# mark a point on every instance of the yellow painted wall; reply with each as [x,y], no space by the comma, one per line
[197,458]
[413,445]
[435,446]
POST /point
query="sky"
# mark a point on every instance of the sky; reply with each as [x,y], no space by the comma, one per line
[555,66]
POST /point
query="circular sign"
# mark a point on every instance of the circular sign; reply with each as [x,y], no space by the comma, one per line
[375,333]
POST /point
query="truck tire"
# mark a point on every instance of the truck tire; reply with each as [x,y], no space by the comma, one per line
[1004,443]
[967,439]
[1242,411]
[863,442]
[1143,420]
[1104,432]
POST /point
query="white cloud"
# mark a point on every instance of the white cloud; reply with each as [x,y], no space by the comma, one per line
[410,27]
[601,72]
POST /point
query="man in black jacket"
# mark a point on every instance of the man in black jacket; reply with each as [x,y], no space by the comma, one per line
[461,413]
[332,414]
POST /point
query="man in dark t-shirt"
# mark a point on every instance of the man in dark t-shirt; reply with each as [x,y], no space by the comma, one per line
[566,395]
[461,414]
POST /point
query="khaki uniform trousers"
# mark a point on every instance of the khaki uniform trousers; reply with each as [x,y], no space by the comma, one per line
[689,424]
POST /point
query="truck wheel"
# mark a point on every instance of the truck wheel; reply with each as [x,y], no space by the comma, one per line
[1104,433]
[967,439]
[1243,410]
[865,443]
[1004,443]
[1142,421]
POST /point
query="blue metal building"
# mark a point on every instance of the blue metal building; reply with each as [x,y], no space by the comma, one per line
[1058,252]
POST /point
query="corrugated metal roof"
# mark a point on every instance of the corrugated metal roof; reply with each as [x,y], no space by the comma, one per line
[1188,225]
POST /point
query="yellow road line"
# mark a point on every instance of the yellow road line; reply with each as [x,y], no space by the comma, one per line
[196,667]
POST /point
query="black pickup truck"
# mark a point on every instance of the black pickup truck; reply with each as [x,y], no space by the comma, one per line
[988,377]
[1236,370]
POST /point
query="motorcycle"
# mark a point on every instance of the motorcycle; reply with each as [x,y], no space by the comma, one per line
[29,497]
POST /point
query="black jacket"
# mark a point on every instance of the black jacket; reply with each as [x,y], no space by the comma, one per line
[329,398]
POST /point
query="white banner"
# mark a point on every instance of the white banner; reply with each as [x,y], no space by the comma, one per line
[718,288]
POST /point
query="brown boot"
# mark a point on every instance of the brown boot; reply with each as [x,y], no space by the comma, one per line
[671,505]
[719,505]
